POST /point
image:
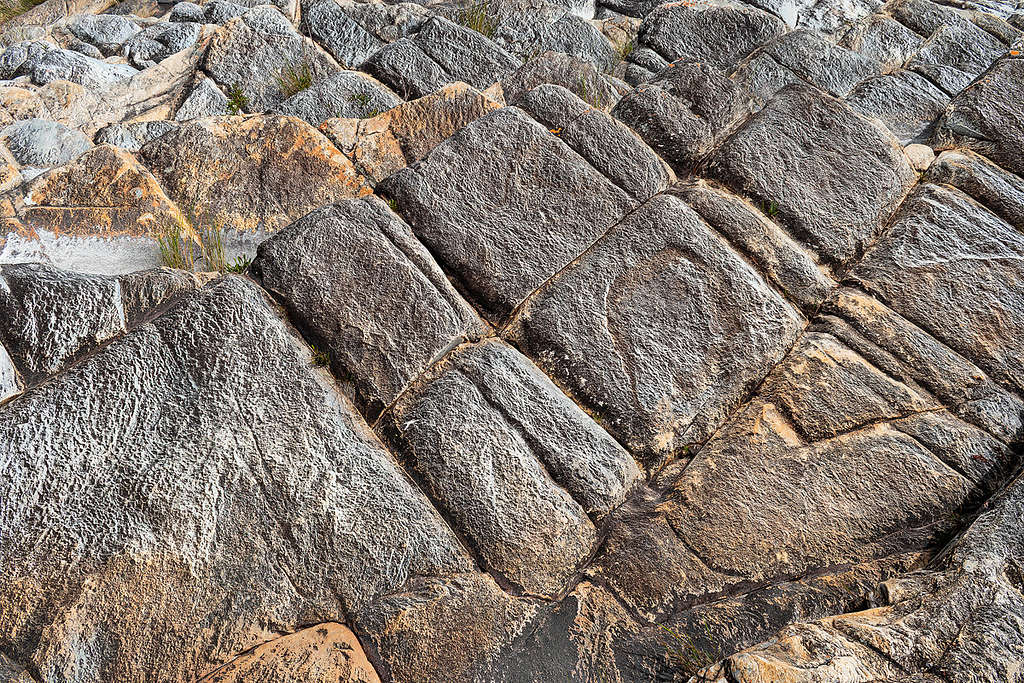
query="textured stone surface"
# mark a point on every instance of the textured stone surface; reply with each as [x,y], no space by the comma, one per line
[42,143]
[495,470]
[254,174]
[860,173]
[313,514]
[680,336]
[252,51]
[380,340]
[347,94]
[388,142]
[508,173]
[657,379]
[104,193]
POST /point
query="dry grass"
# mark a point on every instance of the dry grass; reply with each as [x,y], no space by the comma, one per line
[477,16]
[184,246]
[13,8]
[294,79]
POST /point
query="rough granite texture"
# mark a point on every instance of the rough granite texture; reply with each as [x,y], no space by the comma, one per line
[542,340]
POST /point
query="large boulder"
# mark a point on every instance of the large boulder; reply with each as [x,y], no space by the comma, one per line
[43,143]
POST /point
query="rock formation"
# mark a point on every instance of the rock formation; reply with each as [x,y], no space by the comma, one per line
[512,340]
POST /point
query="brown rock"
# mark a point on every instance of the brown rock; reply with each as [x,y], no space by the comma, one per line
[252,173]
[327,652]
[389,142]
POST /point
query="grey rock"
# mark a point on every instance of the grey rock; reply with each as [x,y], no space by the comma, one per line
[988,117]
[186,12]
[315,518]
[885,40]
[948,265]
[791,268]
[1000,192]
[407,69]
[55,316]
[860,173]
[11,383]
[347,94]
[20,59]
[85,49]
[464,54]
[221,12]
[610,147]
[421,632]
[486,468]
[683,112]
[66,65]
[108,32]
[158,42]
[718,33]
[826,416]
[655,378]
[761,77]
[958,618]
[570,72]
[132,136]
[832,68]
[206,99]
[341,35]
[379,343]
[905,102]
[42,143]
[251,52]
[498,204]
[901,349]
[955,55]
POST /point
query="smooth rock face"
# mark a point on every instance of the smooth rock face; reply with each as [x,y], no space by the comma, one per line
[253,174]
[861,173]
[381,341]
[314,514]
[523,189]
[655,380]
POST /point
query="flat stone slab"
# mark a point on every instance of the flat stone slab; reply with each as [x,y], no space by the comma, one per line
[660,329]
[500,205]
[380,338]
[831,176]
[495,469]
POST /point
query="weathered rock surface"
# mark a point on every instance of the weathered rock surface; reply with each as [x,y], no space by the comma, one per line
[380,342]
[681,340]
[252,174]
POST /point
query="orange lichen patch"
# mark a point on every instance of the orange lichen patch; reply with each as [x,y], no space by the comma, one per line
[252,173]
[325,652]
[1014,53]
[390,141]
[104,192]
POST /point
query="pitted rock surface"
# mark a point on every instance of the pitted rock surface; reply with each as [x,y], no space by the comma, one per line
[512,340]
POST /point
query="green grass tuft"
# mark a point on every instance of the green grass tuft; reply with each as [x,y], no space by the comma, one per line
[294,79]
[477,16]
[238,103]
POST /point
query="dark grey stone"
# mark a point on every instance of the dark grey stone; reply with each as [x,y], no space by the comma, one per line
[407,70]
[503,205]
[641,328]
[486,470]
[719,33]
[341,35]
[346,94]
[1000,192]
[108,32]
[833,177]
[379,337]
[906,103]
[834,69]
[464,54]
[610,147]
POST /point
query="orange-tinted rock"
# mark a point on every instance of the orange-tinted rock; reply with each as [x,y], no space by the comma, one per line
[318,654]
[252,173]
[105,192]
[386,143]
